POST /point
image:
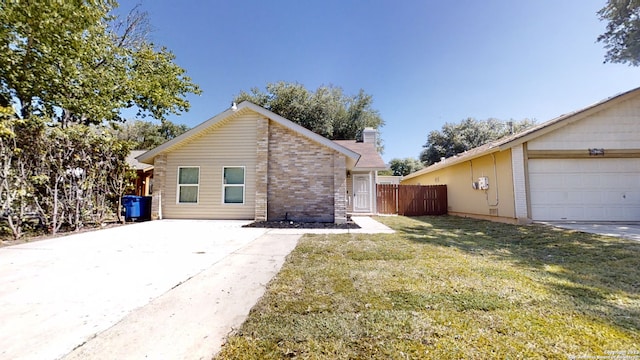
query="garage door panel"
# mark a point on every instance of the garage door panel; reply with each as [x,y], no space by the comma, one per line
[550,197]
[611,165]
[573,181]
[617,182]
[590,181]
[591,197]
[540,180]
[585,189]
[545,212]
[591,212]
[625,179]
[621,197]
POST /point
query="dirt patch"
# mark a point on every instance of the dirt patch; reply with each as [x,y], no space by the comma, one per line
[302,225]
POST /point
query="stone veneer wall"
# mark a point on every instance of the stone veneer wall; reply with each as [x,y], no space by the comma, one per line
[159,178]
[303,179]
[262,168]
[340,188]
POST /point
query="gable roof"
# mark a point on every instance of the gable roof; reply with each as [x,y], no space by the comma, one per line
[243,107]
[565,119]
[369,157]
[530,133]
[134,163]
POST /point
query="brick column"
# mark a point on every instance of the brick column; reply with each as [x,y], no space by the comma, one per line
[262,169]
[340,188]
[159,180]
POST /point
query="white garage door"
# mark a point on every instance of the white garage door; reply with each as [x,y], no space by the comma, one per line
[585,189]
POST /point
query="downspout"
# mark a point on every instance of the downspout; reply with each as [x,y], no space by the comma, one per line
[160,205]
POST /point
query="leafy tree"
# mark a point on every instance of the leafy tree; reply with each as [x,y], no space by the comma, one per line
[327,111]
[75,63]
[144,135]
[622,37]
[169,130]
[469,133]
[82,174]
[406,166]
[13,187]
[66,68]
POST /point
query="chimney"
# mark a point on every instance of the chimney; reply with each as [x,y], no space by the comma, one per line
[369,135]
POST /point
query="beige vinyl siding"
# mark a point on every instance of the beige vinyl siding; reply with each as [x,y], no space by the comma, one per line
[232,143]
[613,128]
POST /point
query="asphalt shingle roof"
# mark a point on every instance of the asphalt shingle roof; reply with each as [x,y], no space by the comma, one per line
[369,156]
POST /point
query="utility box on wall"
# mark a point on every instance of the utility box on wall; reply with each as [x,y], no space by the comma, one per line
[483,183]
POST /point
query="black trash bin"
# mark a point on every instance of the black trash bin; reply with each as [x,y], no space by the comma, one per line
[145,208]
[131,205]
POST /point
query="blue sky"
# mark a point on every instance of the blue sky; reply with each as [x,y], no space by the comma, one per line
[424,62]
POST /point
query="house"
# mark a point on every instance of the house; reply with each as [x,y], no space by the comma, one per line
[581,166]
[250,163]
[144,174]
[363,177]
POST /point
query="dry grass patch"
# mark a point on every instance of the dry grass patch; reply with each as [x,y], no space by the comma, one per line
[448,288]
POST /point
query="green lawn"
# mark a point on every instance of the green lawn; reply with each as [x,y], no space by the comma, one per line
[449,288]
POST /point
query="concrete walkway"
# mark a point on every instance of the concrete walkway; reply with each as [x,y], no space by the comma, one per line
[170,289]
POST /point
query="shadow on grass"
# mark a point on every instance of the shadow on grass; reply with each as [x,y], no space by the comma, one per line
[591,273]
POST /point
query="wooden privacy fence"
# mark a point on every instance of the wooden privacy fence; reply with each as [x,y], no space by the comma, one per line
[412,200]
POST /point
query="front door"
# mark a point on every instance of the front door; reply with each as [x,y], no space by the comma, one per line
[361,193]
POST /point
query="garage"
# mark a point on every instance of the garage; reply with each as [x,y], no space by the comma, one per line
[585,189]
[583,166]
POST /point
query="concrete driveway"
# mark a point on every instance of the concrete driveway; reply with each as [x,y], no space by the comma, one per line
[170,289]
[623,230]
[57,294]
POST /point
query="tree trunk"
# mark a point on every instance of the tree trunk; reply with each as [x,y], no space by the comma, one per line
[15,228]
[54,218]
[121,218]
[77,215]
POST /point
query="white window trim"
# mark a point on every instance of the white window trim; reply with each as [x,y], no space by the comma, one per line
[244,183]
[178,186]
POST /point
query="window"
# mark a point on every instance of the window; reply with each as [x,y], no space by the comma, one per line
[188,184]
[233,185]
